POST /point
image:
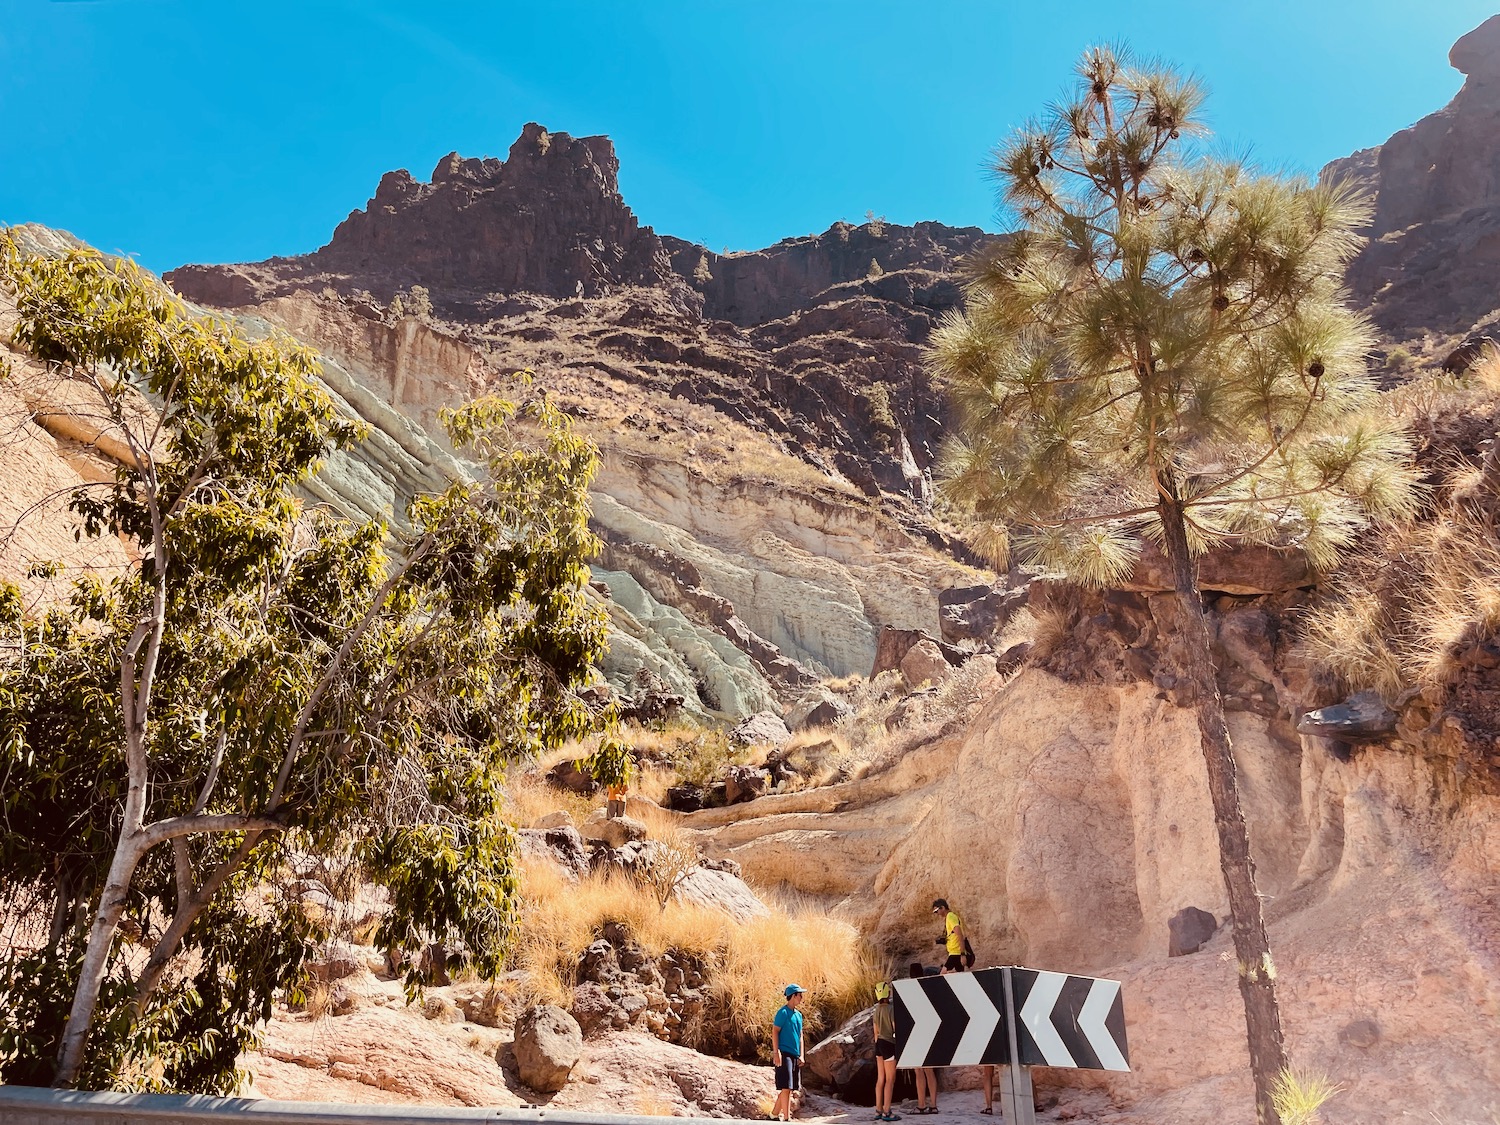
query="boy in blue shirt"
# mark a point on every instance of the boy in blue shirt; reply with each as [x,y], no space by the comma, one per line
[786,1044]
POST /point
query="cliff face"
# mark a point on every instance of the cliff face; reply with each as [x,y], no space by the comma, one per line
[815,341]
[1428,275]
[768,424]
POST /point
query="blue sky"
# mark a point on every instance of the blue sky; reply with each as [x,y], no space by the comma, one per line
[217,130]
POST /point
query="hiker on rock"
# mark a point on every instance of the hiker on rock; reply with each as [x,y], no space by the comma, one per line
[960,952]
[786,1051]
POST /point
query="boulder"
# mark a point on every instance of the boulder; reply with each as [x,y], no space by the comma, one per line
[599,963]
[1189,929]
[892,646]
[924,663]
[567,775]
[442,1010]
[744,783]
[684,798]
[484,1005]
[844,1062]
[976,613]
[1363,1034]
[764,728]
[341,1000]
[616,831]
[556,819]
[563,846]
[1467,354]
[1361,716]
[721,890]
[592,1008]
[433,965]
[1012,658]
[548,1045]
[818,708]
[335,961]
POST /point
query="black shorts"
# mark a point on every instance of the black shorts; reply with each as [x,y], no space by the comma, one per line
[954,964]
[789,1073]
[885,1049]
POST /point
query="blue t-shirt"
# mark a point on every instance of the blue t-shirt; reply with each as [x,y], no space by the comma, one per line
[789,1030]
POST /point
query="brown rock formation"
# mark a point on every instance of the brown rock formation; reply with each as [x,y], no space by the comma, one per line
[1434,254]
[825,359]
[548,219]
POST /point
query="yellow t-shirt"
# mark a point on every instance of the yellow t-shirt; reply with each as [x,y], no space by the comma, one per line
[954,944]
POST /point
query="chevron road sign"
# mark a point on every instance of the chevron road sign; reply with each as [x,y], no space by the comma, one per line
[956,1020]
[1069,1021]
[963,1019]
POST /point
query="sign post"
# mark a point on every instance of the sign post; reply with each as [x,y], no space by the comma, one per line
[1017,1101]
[1013,1018]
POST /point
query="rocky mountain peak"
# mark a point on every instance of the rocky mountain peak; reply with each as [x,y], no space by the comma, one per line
[547,219]
[1427,275]
[1477,54]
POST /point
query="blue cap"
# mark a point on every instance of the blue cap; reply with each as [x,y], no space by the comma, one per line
[792,990]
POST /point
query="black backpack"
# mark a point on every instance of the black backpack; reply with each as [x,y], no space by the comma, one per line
[968,954]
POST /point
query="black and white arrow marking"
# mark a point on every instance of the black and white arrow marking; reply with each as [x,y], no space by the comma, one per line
[953,1020]
[960,1020]
[1069,1021]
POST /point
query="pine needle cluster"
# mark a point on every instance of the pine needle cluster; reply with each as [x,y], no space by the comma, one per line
[1161,325]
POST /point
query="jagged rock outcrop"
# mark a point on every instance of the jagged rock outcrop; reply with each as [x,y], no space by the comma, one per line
[1434,253]
[765,474]
[540,259]
[911,265]
[548,219]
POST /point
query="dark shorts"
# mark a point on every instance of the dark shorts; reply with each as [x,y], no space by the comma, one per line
[789,1073]
[954,964]
[885,1049]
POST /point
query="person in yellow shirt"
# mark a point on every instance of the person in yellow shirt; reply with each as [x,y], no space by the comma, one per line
[954,940]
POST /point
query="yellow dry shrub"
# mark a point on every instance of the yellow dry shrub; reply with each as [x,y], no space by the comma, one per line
[1413,597]
[1408,605]
[529,797]
[1300,1096]
[748,963]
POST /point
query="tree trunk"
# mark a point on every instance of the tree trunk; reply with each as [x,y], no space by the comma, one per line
[1257,976]
[96,960]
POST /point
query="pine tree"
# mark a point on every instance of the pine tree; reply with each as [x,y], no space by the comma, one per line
[1160,351]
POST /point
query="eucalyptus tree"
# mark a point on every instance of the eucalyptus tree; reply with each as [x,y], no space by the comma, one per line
[1161,352]
[264,680]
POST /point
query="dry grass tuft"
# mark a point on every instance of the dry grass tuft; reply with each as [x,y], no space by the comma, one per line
[1300,1095]
[529,797]
[1409,606]
[749,964]
[1414,598]
[649,1104]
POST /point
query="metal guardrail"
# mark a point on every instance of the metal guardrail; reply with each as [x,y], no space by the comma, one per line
[31,1105]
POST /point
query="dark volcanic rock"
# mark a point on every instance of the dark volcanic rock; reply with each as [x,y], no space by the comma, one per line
[1190,929]
[892,646]
[974,613]
[541,260]
[771,284]
[1362,715]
